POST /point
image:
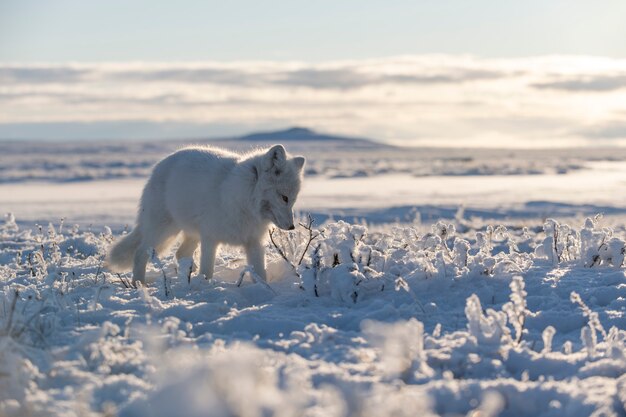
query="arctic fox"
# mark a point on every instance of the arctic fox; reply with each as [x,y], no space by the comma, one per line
[212,196]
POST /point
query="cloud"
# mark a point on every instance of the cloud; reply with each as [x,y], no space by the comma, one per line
[124,129]
[597,83]
[347,76]
[187,75]
[428,99]
[310,77]
[68,98]
[37,75]
[352,78]
[324,78]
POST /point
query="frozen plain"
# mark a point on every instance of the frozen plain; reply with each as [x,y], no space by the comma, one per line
[379,319]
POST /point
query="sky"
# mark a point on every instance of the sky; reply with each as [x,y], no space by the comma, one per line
[449,72]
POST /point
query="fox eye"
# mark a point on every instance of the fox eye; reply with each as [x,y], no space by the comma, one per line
[285,198]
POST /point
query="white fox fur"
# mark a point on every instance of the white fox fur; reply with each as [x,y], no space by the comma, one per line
[212,196]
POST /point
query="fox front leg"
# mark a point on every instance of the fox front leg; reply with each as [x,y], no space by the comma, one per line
[256,258]
[208,248]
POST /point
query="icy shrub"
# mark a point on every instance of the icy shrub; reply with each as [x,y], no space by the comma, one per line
[343,282]
[589,339]
[461,255]
[489,328]
[347,263]
[547,335]
[588,333]
[590,242]
[516,308]
[343,243]
[339,264]
[560,244]
[599,247]
[235,380]
[612,252]
[592,247]
[401,347]
[9,226]
[17,376]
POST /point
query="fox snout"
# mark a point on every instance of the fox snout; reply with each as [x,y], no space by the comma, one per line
[288,226]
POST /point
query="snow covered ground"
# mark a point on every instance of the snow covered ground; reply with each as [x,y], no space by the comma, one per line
[440,294]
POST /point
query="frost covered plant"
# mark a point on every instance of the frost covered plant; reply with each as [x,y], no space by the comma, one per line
[10,225]
[459,262]
[444,231]
[485,263]
[547,335]
[612,252]
[372,262]
[591,246]
[343,244]
[17,376]
[293,246]
[516,309]
[461,254]
[483,240]
[599,247]
[548,248]
[590,242]
[589,338]
[340,264]
[502,233]
[24,319]
[588,333]
[560,244]
[401,347]
[238,380]
[616,340]
[488,328]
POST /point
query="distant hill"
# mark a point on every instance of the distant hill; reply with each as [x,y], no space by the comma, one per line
[303,135]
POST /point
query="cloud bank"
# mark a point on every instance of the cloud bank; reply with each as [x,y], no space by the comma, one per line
[414,100]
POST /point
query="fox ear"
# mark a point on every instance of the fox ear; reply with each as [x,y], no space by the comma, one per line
[276,156]
[298,162]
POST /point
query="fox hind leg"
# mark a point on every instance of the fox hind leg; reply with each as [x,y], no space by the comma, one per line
[158,239]
[187,248]
[139,264]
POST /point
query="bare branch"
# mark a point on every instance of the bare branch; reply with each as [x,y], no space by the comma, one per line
[280,250]
[125,282]
[312,237]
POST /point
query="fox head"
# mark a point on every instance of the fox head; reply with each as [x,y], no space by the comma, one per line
[278,184]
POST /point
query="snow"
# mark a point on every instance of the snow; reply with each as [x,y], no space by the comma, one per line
[405,303]
[380,199]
